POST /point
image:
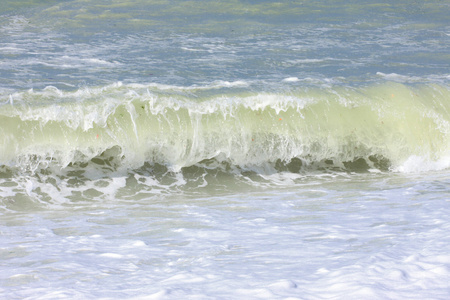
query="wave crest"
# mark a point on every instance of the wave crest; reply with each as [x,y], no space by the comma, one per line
[379,126]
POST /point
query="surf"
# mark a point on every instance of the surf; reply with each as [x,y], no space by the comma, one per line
[382,126]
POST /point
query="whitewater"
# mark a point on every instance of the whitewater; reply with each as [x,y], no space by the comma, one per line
[224,150]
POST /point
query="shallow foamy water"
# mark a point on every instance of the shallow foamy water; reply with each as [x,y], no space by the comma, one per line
[330,236]
[224,149]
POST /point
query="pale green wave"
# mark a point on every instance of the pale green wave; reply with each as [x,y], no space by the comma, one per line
[182,126]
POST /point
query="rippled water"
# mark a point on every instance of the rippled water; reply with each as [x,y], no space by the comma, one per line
[369,236]
[224,150]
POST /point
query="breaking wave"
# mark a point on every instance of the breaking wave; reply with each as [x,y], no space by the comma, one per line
[385,127]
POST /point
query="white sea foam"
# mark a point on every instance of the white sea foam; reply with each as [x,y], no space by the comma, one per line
[291,79]
[399,78]
[327,237]
[224,150]
[417,164]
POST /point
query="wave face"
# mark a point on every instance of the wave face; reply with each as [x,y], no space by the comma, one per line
[388,126]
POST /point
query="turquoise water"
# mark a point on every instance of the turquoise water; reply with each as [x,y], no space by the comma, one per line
[217,150]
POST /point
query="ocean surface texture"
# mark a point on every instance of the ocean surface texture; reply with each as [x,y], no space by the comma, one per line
[241,149]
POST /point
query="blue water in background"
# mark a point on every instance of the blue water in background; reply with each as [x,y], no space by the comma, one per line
[218,228]
[74,44]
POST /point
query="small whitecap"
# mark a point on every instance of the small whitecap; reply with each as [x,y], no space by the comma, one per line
[111,255]
[135,244]
[291,79]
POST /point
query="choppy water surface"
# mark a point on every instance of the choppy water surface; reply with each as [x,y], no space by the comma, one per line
[217,150]
[370,236]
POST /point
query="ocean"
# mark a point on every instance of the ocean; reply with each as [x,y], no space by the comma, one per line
[234,149]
